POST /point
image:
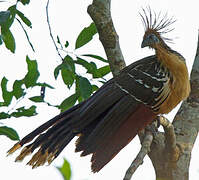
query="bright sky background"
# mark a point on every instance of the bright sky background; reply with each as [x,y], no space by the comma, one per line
[67,19]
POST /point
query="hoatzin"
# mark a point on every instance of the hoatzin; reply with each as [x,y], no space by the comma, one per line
[108,120]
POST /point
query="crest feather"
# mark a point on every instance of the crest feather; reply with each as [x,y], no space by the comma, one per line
[159,23]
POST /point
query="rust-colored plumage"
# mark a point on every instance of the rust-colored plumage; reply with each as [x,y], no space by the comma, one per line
[111,118]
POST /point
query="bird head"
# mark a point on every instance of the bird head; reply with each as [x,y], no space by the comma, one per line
[151,40]
[155,26]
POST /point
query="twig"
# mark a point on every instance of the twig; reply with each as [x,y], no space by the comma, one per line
[145,149]
[25,34]
[50,31]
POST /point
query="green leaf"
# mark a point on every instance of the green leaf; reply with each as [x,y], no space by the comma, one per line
[8,39]
[69,63]
[68,102]
[24,19]
[66,44]
[89,66]
[56,106]
[80,99]
[7,96]
[57,69]
[10,20]
[101,72]
[77,88]
[94,88]
[104,70]
[68,77]
[33,73]
[9,132]
[65,170]
[44,85]
[4,115]
[36,99]
[96,57]
[1,41]
[24,2]
[103,82]
[93,65]
[85,35]
[22,111]
[58,40]
[18,91]
[85,87]
[4,15]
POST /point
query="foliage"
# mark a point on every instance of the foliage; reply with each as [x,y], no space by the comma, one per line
[18,93]
[68,70]
[85,36]
[65,170]
[9,132]
[7,18]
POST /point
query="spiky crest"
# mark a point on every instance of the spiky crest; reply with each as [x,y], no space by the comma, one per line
[158,24]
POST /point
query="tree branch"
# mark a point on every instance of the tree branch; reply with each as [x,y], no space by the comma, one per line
[50,31]
[145,149]
[186,126]
[100,13]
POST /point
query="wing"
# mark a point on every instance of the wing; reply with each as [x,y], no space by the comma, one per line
[148,82]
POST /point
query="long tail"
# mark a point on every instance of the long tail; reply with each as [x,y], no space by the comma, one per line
[50,142]
[105,123]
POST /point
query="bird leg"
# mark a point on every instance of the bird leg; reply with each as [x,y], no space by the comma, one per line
[170,139]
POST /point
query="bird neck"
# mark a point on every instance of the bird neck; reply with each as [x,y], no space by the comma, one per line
[169,58]
[175,65]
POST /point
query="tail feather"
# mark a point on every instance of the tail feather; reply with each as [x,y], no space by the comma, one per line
[61,144]
[106,122]
[46,139]
[48,124]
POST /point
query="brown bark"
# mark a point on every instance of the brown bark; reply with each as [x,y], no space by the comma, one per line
[170,151]
[99,11]
[186,126]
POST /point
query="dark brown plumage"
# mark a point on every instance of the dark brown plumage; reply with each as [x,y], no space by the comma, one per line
[111,118]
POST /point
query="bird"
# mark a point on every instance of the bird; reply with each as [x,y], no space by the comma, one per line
[107,121]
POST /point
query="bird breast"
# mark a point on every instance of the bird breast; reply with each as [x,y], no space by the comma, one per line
[178,85]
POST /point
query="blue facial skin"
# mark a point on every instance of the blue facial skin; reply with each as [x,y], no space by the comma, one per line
[150,40]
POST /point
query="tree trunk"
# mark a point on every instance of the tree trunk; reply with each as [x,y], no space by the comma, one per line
[186,126]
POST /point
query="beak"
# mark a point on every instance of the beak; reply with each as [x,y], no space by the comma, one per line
[145,43]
